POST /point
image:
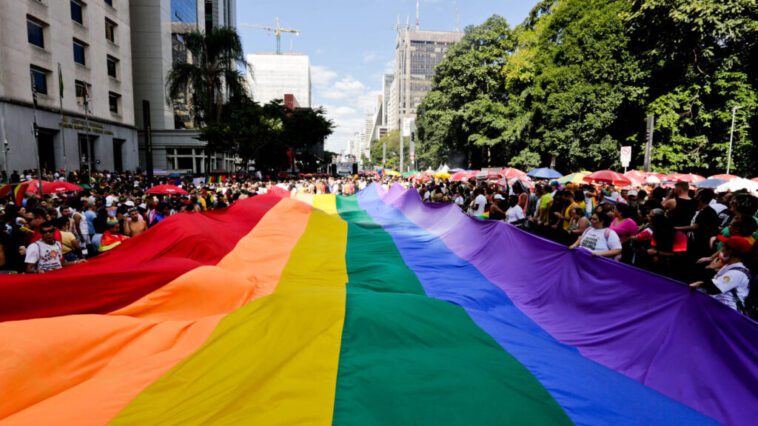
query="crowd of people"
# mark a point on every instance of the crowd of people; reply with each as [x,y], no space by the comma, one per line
[695,236]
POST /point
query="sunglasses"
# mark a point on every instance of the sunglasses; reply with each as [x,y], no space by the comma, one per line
[47,231]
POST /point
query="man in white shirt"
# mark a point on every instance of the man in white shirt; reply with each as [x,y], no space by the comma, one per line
[515,214]
[731,285]
[479,204]
[46,254]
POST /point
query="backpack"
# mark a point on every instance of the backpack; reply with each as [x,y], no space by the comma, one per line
[750,306]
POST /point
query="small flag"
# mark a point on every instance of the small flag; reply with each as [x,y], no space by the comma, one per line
[60,80]
[19,192]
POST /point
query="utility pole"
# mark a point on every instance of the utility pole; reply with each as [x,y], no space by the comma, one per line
[384,154]
[731,140]
[649,143]
[86,132]
[35,132]
[5,143]
[60,97]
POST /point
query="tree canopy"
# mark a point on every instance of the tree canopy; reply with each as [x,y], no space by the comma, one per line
[575,81]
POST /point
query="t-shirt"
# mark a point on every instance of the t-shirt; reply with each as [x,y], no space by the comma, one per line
[625,228]
[67,239]
[481,202]
[514,214]
[45,257]
[600,240]
[734,283]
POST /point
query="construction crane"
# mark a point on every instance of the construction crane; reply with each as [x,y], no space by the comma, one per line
[278,30]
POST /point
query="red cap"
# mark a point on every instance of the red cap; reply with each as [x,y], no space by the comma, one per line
[738,244]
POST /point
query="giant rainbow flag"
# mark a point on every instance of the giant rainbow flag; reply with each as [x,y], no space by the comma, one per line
[363,310]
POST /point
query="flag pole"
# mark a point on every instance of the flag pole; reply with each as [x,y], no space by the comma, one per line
[86,132]
[63,133]
[35,132]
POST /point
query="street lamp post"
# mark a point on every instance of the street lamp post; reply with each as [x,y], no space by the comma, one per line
[731,141]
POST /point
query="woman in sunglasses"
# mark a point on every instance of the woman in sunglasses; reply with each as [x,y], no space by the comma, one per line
[599,238]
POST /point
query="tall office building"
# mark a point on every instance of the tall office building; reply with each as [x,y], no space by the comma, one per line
[82,49]
[387,82]
[417,53]
[220,13]
[273,76]
[158,43]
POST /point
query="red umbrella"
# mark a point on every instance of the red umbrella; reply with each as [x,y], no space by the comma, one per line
[457,177]
[55,187]
[755,179]
[488,175]
[166,190]
[609,177]
[510,173]
[724,177]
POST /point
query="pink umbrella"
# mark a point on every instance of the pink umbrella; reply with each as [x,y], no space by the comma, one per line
[510,173]
[755,179]
[689,178]
[421,177]
[724,177]
[166,190]
[608,177]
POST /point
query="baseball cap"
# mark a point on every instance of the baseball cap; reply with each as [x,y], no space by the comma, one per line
[632,193]
[499,197]
[738,244]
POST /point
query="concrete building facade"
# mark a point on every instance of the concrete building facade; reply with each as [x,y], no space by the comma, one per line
[417,53]
[158,43]
[83,48]
[272,76]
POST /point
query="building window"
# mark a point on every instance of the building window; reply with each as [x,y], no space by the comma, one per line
[110,30]
[112,66]
[77,11]
[113,100]
[39,79]
[82,92]
[79,49]
[35,31]
[186,159]
[109,2]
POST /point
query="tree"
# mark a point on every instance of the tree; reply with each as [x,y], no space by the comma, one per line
[464,110]
[700,57]
[392,140]
[216,56]
[577,78]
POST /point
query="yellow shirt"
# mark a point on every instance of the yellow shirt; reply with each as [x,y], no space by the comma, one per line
[67,241]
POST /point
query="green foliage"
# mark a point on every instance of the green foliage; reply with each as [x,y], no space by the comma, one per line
[576,80]
[264,133]
[392,140]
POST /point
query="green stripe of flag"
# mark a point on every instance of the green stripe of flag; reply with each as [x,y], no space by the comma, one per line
[410,359]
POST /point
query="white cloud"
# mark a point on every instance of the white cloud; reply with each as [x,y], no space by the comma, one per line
[370,57]
[322,76]
[347,102]
[345,88]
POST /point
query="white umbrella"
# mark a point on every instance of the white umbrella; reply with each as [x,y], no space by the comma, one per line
[652,180]
[739,185]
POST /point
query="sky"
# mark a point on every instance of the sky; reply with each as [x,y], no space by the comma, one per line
[351,43]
